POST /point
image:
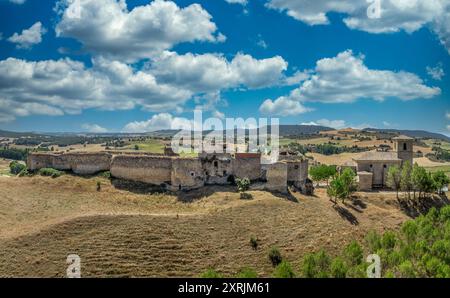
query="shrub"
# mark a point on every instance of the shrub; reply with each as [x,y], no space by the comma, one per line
[16,168]
[284,270]
[275,256]
[106,174]
[338,268]
[388,240]
[308,267]
[24,173]
[373,240]
[246,196]
[48,172]
[354,254]
[247,273]
[211,273]
[243,184]
[316,265]
[254,243]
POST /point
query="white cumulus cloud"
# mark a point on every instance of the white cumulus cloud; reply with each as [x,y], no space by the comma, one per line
[55,87]
[28,37]
[163,84]
[437,72]
[94,128]
[396,15]
[345,79]
[337,124]
[211,72]
[242,2]
[108,28]
[283,106]
[158,122]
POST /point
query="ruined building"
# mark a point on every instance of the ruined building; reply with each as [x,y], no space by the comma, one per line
[179,174]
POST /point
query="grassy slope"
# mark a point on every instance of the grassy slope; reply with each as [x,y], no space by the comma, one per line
[119,233]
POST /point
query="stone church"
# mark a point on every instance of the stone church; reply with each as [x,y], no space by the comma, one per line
[372,167]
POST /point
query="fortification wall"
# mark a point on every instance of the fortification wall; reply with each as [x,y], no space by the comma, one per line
[62,162]
[187,173]
[148,169]
[88,163]
[246,165]
[277,177]
[79,163]
[37,161]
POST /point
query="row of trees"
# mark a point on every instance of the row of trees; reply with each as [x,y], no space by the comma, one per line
[416,180]
[325,149]
[13,153]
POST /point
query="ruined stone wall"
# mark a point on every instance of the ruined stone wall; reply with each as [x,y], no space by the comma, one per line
[276,176]
[88,163]
[365,181]
[186,174]
[37,161]
[148,169]
[247,165]
[217,168]
[297,170]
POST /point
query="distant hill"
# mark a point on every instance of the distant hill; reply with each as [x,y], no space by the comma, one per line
[298,130]
[422,134]
[285,130]
[13,134]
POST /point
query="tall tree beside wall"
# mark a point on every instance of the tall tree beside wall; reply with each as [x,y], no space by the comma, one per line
[394,178]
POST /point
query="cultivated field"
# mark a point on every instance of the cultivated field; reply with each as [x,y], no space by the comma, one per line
[121,233]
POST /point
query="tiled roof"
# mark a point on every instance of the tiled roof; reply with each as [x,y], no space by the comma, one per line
[402,138]
[381,156]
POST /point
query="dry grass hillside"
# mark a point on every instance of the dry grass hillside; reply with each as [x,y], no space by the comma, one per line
[121,233]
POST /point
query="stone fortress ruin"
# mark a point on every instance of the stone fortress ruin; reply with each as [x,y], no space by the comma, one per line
[175,173]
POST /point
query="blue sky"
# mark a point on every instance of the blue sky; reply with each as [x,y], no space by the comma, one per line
[114,69]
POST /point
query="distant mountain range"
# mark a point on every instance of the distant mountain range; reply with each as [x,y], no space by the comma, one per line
[304,130]
[422,134]
[284,130]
